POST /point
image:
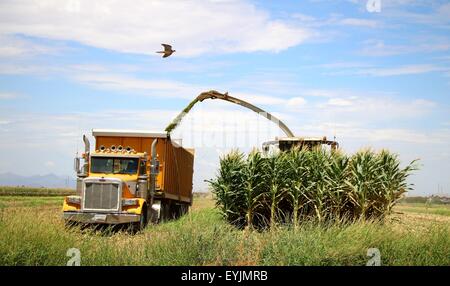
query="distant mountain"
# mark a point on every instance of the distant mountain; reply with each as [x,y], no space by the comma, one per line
[47,181]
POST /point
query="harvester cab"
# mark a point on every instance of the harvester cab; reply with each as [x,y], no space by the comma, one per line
[303,143]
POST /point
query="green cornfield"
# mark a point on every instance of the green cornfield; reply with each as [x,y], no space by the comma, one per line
[257,191]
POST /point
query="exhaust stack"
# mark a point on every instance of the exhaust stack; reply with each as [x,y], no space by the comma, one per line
[87,145]
[154,168]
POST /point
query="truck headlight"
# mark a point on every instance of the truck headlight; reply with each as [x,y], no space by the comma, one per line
[129,202]
[73,200]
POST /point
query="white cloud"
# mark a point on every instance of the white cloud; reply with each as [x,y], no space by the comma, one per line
[258,98]
[377,48]
[49,164]
[101,76]
[355,131]
[359,22]
[162,88]
[394,3]
[346,65]
[340,102]
[193,27]
[27,67]
[11,46]
[355,68]
[400,70]
[392,134]
[149,87]
[303,17]
[436,14]
[365,108]
[295,103]
[8,95]
[320,92]
[341,93]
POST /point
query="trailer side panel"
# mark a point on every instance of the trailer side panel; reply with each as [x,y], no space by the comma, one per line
[178,172]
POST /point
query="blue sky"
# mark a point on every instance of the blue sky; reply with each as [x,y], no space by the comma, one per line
[333,68]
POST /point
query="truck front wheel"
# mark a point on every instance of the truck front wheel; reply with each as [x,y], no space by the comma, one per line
[139,226]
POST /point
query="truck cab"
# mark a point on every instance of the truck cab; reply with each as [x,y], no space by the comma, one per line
[128,178]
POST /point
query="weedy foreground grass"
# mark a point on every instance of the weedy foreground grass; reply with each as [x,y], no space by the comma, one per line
[38,192]
[34,234]
[438,209]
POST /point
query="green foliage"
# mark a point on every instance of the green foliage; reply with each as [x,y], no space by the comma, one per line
[36,235]
[177,120]
[30,191]
[303,185]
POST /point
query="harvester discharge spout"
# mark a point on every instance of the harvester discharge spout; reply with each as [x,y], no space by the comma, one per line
[212,94]
[283,144]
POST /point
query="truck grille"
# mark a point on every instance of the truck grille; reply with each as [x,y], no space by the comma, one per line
[101,196]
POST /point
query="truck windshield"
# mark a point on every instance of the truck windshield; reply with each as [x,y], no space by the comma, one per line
[114,165]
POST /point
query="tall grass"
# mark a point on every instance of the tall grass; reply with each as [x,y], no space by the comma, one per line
[303,185]
[33,191]
[36,235]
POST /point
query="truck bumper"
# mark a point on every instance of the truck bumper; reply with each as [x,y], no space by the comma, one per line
[110,218]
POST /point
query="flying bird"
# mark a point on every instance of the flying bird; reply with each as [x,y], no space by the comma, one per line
[167,50]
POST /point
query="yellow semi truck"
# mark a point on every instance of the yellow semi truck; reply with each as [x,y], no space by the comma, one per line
[131,177]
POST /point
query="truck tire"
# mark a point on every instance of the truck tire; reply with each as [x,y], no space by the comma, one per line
[153,216]
[165,211]
[175,211]
[140,226]
[180,210]
[184,209]
[171,210]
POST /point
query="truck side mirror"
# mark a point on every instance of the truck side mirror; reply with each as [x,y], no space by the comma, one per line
[154,169]
[142,167]
[76,165]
